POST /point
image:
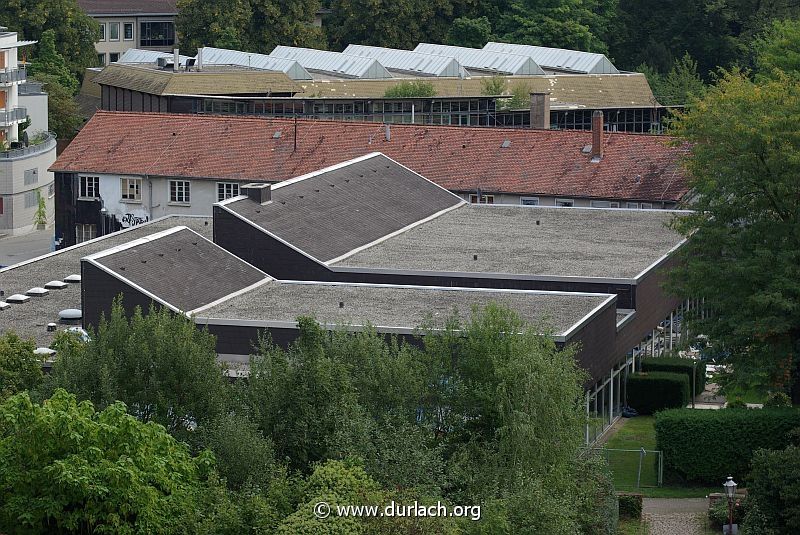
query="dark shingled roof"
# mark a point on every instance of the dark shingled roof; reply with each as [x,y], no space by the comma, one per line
[180,267]
[336,210]
[128,7]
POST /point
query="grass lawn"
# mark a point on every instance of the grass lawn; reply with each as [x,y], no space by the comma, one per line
[631,527]
[636,433]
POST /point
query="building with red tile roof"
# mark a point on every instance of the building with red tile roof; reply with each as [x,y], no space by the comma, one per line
[182,164]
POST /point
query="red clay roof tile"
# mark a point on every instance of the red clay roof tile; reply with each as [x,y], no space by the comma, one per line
[538,162]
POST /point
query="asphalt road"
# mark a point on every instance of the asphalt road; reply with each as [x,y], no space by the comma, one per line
[15,249]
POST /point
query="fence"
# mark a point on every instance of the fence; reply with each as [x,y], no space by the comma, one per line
[634,468]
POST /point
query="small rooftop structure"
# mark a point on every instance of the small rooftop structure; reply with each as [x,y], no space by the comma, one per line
[138,55]
[252,60]
[480,61]
[409,62]
[559,59]
[333,63]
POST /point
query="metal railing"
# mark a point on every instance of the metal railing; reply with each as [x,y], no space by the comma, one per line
[12,115]
[8,76]
[45,145]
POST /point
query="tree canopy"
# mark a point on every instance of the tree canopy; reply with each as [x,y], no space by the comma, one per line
[743,251]
[20,368]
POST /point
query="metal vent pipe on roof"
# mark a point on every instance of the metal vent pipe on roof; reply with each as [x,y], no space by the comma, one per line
[176,59]
[388,133]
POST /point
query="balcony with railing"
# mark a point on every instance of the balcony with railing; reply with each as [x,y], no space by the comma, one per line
[8,76]
[11,116]
[41,143]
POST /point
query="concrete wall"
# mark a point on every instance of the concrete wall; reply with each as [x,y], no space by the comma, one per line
[36,105]
[16,217]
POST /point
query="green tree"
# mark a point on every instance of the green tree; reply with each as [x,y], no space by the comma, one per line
[743,248]
[254,25]
[217,23]
[773,490]
[413,88]
[64,117]
[494,85]
[778,50]
[20,368]
[160,364]
[48,61]
[465,31]
[75,31]
[682,85]
[67,468]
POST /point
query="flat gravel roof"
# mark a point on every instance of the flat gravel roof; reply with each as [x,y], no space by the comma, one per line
[399,307]
[29,320]
[528,240]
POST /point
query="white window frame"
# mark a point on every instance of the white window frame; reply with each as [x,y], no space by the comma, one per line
[600,204]
[632,205]
[485,199]
[111,58]
[646,206]
[124,25]
[225,190]
[101,57]
[87,191]
[529,201]
[111,25]
[614,204]
[125,184]
[565,203]
[102,31]
[182,192]
[85,232]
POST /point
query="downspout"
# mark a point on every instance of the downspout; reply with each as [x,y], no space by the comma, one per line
[149,197]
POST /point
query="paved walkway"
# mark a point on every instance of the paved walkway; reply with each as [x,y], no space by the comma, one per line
[14,249]
[675,516]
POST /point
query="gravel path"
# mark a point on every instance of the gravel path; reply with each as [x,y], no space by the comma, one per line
[672,516]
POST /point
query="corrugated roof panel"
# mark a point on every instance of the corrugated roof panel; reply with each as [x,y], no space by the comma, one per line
[137,55]
[559,58]
[333,63]
[484,60]
[411,62]
[252,60]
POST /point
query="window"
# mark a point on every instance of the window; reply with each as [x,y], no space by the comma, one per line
[157,33]
[632,205]
[226,190]
[131,189]
[31,176]
[85,233]
[529,201]
[102,31]
[90,187]
[113,57]
[31,198]
[485,199]
[565,203]
[179,191]
[614,204]
[113,31]
[127,31]
[101,60]
[647,206]
[600,204]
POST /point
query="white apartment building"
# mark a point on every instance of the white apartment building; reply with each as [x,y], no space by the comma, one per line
[24,158]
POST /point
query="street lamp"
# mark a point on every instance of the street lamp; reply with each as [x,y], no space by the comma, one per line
[730,492]
[103,213]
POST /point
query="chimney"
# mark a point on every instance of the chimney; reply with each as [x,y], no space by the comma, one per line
[388,133]
[540,111]
[597,135]
[200,58]
[260,192]
[176,60]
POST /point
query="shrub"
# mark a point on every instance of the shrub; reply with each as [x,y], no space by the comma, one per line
[718,513]
[704,447]
[774,487]
[778,399]
[654,391]
[413,88]
[630,505]
[736,403]
[678,365]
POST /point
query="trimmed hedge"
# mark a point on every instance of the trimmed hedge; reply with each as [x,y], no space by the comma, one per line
[630,505]
[705,446]
[649,392]
[678,365]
